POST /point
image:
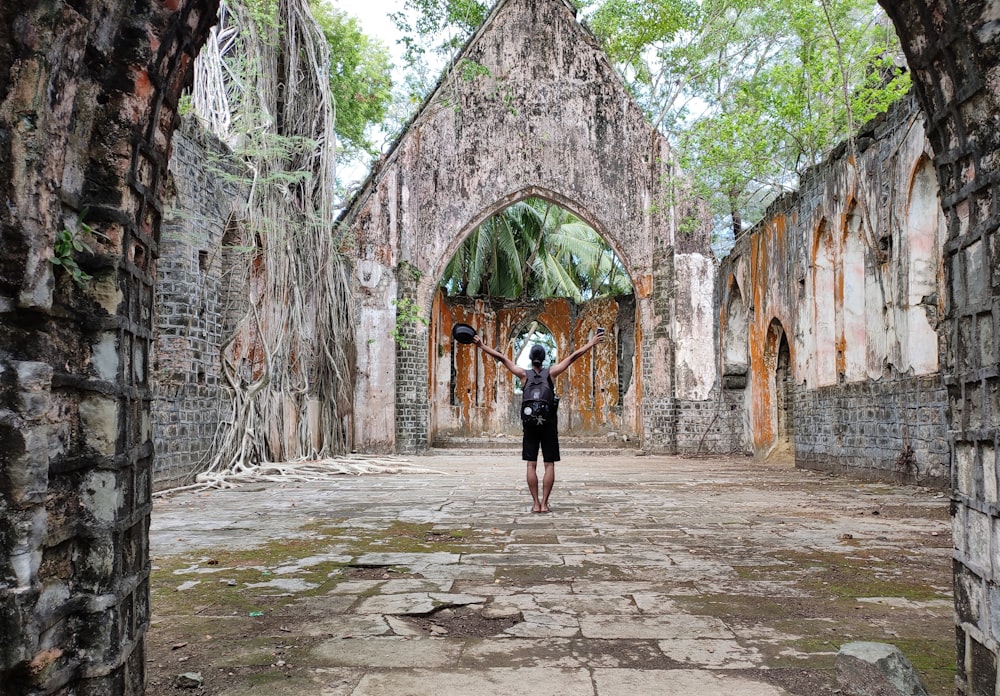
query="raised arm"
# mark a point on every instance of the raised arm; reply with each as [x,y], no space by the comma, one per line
[561,366]
[507,362]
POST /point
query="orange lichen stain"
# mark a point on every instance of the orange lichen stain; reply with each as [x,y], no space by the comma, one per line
[484,392]
[142,86]
[593,378]
[40,662]
[643,287]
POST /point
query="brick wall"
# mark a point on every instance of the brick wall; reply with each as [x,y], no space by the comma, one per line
[191,303]
[412,407]
[892,430]
[715,426]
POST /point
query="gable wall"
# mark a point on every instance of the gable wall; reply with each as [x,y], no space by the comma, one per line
[551,119]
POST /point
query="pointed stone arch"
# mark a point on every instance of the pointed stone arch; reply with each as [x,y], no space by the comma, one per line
[563,201]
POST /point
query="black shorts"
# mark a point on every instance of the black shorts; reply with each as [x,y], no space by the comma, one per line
[545,435]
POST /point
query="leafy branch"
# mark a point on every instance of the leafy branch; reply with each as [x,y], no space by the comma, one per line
[407,314]
[70,242]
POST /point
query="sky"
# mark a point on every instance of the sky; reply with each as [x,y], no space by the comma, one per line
[374,16]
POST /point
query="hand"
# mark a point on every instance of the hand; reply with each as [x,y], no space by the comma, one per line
[476,341]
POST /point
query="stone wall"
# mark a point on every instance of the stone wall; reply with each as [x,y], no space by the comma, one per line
[953,50]
[197,286]
[545,115]
[88,103]
[845,275]
[890,430]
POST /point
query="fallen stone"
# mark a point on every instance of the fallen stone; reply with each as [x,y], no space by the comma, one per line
[188,680]
[876,669]
[496,611]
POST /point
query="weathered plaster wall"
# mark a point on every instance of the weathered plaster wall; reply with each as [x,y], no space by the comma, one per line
[551,119]
[849,269]
[88,96]
[198,280]
[472,394]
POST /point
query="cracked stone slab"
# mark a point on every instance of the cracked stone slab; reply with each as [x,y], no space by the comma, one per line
[558,652]
[310,561]
[415,603]
[614,682]
[355,587]
[490,682]
[403,586]
[401,627]
[655,604]
[714,654]
[538,625]
[456,571]
[587,604]
[348,626]
[387,653]
[519,559]
[407,559]
[664,627]
[284,584]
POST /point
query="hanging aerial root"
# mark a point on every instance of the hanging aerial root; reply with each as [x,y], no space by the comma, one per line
[301,471]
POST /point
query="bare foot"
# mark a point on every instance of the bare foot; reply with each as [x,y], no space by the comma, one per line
[537,508]
[545,508]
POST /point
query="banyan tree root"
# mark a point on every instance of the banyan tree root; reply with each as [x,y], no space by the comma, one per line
[300,471]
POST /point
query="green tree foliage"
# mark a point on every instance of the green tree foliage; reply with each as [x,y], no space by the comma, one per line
[751,93]
[360,77]
[437,27]
[535,249]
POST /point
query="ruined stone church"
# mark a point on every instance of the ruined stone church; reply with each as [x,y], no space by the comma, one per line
[855,329]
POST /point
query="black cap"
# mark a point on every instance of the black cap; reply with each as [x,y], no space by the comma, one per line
[537,354]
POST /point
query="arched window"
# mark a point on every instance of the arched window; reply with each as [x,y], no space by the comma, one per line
[824,307]
[924,223]
[855,337]
[735,352]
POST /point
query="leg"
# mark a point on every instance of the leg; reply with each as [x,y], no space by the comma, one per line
[532,475]
[549,478]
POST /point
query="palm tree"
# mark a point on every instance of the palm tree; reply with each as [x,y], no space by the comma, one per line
[535,249]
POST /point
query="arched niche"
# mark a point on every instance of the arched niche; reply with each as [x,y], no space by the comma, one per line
[824,283]
[854,321]
[735,339]
[922,269]
[780,383]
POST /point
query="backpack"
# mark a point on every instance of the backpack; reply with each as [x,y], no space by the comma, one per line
[539,401]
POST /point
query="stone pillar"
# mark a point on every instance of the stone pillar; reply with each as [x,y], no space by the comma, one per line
[953,50]
[88,100]
[412,364]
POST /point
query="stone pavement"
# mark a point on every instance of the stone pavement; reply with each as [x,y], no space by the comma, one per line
[652,575]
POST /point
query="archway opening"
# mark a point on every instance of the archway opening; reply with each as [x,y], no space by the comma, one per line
[534,334]
[778,359]
[534,272]
[535,249]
